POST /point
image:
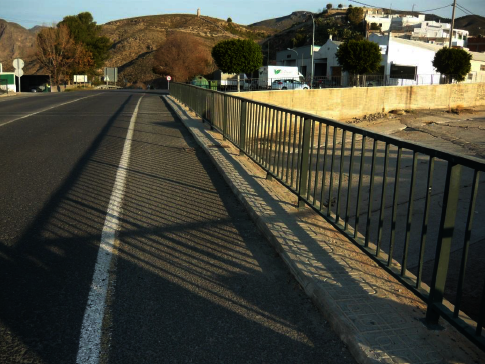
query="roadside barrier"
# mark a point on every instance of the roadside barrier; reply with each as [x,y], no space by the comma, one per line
[410,207]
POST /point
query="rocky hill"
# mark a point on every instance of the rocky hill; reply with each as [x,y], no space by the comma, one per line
[17,42]
[283,22]
[475,24]
[135,40]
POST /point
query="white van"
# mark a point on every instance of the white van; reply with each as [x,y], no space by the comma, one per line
[268,74]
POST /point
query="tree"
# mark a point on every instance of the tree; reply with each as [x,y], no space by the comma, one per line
[229,20]
[182,56]
[453,62]
[375,26]
[359,56]
[58,53]
[329,6]
[84,30]
[300,39]
[237,56]
[340,6]
[355,15]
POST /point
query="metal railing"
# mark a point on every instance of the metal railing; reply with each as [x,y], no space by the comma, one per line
[408,206]
[321,82]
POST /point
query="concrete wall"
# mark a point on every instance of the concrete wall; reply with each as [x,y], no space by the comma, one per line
[347,103]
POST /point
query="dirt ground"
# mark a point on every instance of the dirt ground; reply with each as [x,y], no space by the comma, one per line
[459,130]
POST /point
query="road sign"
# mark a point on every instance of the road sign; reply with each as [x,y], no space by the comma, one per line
[19,72]
[169,78]
[18,63]
[111,73]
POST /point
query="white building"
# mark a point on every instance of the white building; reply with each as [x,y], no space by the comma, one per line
[300,57]
[439,33]
[393,22]
[326,57]
[408,61]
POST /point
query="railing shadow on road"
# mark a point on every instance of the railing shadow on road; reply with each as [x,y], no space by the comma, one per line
[46,273]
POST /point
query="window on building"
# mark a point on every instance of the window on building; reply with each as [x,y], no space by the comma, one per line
[288,56]
[482,67]
[470,76]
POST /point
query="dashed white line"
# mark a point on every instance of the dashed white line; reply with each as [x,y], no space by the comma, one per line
[46,109]
[91,332]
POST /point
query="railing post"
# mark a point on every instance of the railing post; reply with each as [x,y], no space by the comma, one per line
[224,119]
[305,151]
[445,236]
[242,128]
[213,111]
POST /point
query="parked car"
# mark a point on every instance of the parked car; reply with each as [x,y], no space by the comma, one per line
[289,85]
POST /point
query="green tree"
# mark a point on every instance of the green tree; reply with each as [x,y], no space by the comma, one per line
[84,30]
[340,6]
[355,15]
[453,62]
[229,20]
[359,57]
[237,56]
[329,6]
[375,26]
[300,39]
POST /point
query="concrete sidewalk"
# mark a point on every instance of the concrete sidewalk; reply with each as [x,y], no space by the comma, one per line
[379,320]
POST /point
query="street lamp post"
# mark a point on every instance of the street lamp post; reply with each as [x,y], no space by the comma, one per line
[313,47]
[296,59]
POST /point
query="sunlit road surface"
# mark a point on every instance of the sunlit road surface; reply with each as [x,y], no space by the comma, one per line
[121,243]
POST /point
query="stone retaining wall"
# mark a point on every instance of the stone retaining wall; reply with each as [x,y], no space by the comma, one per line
[347,103]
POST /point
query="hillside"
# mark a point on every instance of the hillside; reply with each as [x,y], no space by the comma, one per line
[475,24]
[283,22]
[136,39]
[17,42]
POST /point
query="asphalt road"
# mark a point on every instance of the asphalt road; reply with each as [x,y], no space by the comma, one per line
[189,278]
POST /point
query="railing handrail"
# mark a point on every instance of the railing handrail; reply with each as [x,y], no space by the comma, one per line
[467,161]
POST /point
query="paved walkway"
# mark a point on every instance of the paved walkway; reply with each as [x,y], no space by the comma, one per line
[374,315]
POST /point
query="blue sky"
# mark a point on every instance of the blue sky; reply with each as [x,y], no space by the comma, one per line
[29,13]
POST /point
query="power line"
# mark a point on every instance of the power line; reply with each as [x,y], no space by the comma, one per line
[465,9]
[425,11]
[418,11]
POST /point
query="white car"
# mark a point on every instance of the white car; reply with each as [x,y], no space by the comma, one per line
[289,85]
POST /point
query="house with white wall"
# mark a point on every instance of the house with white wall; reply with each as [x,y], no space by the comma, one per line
[300,57]
[439,33]
[326,57]
[407,62]
[393,22]
[477,71]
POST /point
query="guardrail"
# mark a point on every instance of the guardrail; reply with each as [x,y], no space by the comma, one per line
[320,82]
[410,207]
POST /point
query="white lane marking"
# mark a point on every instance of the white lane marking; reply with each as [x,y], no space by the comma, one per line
[43,110]
[90,342]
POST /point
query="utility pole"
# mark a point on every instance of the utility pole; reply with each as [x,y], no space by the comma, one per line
[268,54]
[313,49]
[452,22]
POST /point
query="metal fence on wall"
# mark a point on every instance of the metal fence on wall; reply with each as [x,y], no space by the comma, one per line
[410,207]
[321,82]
